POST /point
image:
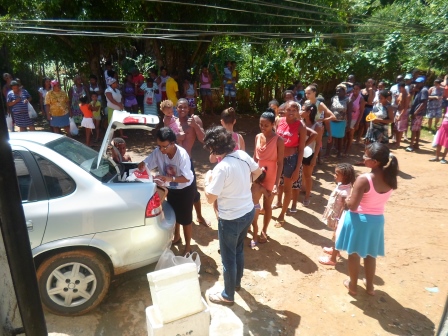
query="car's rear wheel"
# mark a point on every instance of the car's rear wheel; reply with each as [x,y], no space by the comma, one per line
[74,282]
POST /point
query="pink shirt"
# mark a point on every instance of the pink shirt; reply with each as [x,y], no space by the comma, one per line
[356,107]
[372,203]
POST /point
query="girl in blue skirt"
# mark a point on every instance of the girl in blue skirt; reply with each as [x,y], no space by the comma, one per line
[362,233]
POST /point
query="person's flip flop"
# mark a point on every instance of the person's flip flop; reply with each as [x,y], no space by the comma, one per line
[326,261]
[263,239]
[277,206]
[347,285]
[306,202]
[291,210]
[253,245]
[205,223]
[218,299]
[279,223]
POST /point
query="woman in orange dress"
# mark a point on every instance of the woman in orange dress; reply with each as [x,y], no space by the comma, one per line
[269,149]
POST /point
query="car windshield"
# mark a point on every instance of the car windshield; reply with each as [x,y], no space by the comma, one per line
[84,157]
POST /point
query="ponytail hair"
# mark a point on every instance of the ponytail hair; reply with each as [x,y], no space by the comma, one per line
[387,161]
[313,111]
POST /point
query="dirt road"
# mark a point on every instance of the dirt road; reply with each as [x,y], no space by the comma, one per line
[285,290]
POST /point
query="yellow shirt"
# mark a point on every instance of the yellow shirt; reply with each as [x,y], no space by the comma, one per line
[171,89]
[58,102]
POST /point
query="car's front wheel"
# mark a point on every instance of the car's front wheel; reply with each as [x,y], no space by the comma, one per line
[74,282]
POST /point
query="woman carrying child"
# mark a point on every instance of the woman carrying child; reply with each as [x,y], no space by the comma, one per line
[344,176]
[269,149]
[87,121]
[362,233]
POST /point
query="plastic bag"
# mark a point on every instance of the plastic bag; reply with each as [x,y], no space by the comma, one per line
[168,259]
[149,97]
[9,123]
[31,111]
[73,128]
[435,140]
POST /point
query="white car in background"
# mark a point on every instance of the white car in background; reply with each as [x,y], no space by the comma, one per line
[86,225]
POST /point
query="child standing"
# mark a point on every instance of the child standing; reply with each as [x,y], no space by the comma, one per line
[96,110]
[344,176]
[442,140]
[87,121]
[228,120]
[151,90]
[169,120]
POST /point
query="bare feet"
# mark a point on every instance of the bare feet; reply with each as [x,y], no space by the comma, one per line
[176,240]
[348,285]
[370,291]
[279,223]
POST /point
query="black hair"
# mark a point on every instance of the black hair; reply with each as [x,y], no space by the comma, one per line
[228,115]
[385,93]
[288,91]
[94,93]
[313,110]
[204,66]
[118,141]
[358,84]
[388,162]
[166,134]
[150,79]
[111,73]
[83,99]
[93,76]
[153,70]
[262,176]
[273,102]
[268,115]
[291,88]
[44,80]
[312,88]
[347,171]
[218,141]
[401,84]
[163,68]
[108,63]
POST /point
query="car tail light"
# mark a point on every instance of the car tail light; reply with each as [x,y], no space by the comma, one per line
[153,208]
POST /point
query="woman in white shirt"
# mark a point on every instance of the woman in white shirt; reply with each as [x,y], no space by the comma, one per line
[113,97]
[229,183]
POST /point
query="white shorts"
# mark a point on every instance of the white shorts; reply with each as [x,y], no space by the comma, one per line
[353,123]
[87,123]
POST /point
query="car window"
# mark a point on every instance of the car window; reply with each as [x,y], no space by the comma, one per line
[85,157]
[26,186]
[57,181]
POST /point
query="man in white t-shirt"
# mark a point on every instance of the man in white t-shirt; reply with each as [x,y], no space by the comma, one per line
[175,173]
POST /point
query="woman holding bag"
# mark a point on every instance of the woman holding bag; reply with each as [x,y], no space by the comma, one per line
[229,183]
[17,100]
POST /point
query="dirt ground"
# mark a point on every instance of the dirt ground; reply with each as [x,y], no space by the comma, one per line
[285,290]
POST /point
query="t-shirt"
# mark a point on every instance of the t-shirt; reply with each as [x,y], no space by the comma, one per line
[149,92]
[85,110]
[171,89]
[43,92]
[58,102]
[179,165]
[394,91]
[289,132]
[96,114]
[116,94]
[419,99]
[231,182]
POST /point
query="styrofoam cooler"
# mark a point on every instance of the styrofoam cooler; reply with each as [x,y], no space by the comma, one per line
[175,292]
[194,325]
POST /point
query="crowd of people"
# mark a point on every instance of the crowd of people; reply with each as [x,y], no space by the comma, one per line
[294,137]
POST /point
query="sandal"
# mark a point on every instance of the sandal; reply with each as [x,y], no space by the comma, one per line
[306,202]
[292,210]
[326,261]
[263,239]
[277,206]
[253,244]
[205,223]
[434,159]
[443,161]
[279,223]
[218,299]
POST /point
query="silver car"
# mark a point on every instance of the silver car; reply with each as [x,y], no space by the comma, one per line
[85,224]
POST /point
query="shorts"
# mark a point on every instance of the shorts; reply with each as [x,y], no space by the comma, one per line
[434,113]
[296,184]
[130,102]
[416,123]
[61,121]
[307,161]
[191,103]
[353,123]
[197,196]
[205,92]
[87,123]
[181,200]
[289,165]
[229,90]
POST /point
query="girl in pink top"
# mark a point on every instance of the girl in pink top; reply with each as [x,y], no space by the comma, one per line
[269,149]
[357,103]
[362,232]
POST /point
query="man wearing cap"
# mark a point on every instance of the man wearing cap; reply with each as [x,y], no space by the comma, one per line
[58,108]
[418,110]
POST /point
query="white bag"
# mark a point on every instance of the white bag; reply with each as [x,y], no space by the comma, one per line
[435,140]
[9,123]
[168,259]
[73,128]
[31,112]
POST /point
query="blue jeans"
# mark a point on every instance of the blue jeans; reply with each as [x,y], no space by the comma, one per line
[231,235]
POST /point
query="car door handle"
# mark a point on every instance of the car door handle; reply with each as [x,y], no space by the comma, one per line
[29,225]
